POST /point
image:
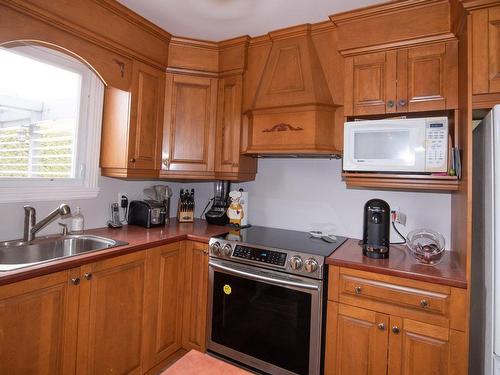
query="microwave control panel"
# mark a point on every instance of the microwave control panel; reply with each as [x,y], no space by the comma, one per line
[436,150]
[260,255]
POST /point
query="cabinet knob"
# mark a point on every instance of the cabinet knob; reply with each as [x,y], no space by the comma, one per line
[395,330]
[381,326]
[424,303]
[75,280]
[357,290]
[402,103]
[132,160]
[87,276]
[390,103]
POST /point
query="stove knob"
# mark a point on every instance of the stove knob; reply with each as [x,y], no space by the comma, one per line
[226,250]
[311,265]
[295,262]
[215,248]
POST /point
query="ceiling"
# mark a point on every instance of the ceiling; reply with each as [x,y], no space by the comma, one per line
[218,20]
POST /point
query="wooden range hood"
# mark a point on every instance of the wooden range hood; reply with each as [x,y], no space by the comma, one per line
[293,112]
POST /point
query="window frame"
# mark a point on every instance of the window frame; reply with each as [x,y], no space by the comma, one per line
[86,163]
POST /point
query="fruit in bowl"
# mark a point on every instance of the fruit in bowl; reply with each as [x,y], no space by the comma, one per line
[426,246]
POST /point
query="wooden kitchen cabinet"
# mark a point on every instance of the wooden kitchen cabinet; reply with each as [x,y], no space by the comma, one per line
[370,86]
[229,163]
[38,325]
[111,326]
[422,78]
[164,302]
[189,127]
[486,57]
[357,341]
[378,324]
[132,125]
[195,296]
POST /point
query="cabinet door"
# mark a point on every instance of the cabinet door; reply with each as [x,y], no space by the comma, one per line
[227,152]
[38,325]
[486,50]
[189,125]
[164,302]
[146,117]
[195,296]
[418,348]
[370,86]
[356,341]
[112,316]
[427,78]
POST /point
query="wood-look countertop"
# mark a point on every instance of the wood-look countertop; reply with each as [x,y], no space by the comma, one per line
[138,238]
[400,263]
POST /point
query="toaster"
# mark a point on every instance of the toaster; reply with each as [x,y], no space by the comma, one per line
[146,213]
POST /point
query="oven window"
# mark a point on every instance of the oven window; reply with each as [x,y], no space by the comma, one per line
[267,322]
[380,145]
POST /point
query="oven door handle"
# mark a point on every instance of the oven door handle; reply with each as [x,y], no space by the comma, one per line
[263,278]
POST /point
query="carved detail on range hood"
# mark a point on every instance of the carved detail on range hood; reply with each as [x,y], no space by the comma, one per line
[293,91]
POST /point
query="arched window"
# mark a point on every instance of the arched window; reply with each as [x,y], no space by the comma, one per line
[50,122]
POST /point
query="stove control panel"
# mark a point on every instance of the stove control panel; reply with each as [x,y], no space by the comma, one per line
[260,255]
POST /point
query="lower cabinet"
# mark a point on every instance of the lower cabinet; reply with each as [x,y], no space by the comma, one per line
[111,316]
[361,341]
[38,325]
[164,302]
[379,324]
[195,296]
[122,315]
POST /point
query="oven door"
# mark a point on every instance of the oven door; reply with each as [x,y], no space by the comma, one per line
[265,319]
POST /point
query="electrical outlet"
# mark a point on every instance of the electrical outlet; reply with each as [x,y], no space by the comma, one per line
[398,216]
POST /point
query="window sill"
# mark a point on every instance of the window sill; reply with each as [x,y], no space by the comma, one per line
[30,194]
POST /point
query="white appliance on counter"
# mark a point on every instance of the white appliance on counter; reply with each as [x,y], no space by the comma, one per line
[484,355]
[418,145]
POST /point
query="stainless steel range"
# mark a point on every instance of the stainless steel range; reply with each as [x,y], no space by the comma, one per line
[267,294]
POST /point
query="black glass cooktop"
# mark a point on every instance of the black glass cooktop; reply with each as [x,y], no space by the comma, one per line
[284,239]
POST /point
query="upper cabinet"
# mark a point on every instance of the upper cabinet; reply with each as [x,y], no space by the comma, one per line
[189,126]
[422,78]
[229,162]
[132,125]
[486,57]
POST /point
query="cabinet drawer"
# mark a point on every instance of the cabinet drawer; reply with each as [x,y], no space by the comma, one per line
[394,294]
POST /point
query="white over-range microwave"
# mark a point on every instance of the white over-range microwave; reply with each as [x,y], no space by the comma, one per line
[418,145]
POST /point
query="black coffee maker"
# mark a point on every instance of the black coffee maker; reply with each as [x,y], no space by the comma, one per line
[376,229]
[217,214]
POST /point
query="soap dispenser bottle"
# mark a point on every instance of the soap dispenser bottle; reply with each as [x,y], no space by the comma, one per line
[77,220]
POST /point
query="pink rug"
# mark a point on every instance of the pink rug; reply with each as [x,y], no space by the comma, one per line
[197,363]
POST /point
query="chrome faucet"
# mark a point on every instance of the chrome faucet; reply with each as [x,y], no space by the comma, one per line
[30,224]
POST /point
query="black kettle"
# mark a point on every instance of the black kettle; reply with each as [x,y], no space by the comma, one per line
[376,229]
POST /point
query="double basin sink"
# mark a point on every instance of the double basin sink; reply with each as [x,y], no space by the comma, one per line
[18,254]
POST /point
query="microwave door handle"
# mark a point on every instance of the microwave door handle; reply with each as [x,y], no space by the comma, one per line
[263,278]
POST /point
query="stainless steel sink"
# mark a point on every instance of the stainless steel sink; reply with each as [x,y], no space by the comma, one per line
[18,254]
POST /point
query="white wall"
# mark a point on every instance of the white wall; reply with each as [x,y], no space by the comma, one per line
[96,211]
[305,194]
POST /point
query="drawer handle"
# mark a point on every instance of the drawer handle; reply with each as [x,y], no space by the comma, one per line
[381,326]
[390,103]
[75,281]
[424,303]
[395,330]
[87,276]
[357,290]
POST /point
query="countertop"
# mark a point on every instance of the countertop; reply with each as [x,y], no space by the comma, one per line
[138,238]
[400,263]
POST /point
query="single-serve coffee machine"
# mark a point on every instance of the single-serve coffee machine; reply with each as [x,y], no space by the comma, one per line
[376,229]
[217,214]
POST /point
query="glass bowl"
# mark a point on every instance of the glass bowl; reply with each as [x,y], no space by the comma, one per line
[426,246]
